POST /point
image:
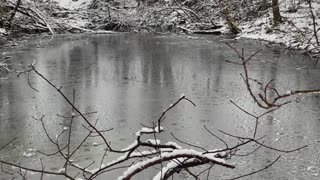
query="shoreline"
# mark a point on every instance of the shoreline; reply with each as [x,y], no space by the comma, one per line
[12,42]
[294,33]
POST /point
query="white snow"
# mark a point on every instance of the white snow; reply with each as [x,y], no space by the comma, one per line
[70,4]
[102,166]
[288,34]
[130,146]
[126,155]
[174,153]
[29,152]
[27,155]
[149,130]
[32,150]
[170,165]
[3,31]
[153,141]
[62,170]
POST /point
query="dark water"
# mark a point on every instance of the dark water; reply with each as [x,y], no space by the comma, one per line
[130,79]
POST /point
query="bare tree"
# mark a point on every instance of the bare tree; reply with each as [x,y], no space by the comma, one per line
[314,23]
[276,13]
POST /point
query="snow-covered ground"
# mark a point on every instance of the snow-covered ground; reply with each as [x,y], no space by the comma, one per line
[296,32]
[73,4]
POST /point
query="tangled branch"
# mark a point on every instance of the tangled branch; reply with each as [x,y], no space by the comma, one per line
[170,156]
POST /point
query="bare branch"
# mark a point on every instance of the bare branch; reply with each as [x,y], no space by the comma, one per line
[189,144]
[170,156]
[254,172]
[224,142]
[4,146]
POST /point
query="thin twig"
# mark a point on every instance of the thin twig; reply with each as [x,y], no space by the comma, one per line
[189,144]
[254,172]
[4,146]
[224,142]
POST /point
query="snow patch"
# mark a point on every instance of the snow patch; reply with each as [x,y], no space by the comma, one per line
[70,4]
[153,141]
[3,31]
[62,170]
[172,154]
[130,146]
[169,166]
[149,130]
[294,33]
[29,153]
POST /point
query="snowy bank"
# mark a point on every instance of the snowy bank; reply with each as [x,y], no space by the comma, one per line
[296,31]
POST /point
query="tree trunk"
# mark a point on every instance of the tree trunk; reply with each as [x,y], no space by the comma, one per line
[314,23]
[230,21]
[14,11]
[276,13]
[3,10]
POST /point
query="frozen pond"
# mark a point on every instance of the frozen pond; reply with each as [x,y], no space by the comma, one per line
[130,79]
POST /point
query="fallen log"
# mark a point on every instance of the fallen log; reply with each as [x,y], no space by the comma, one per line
[33,14]
[213,32]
